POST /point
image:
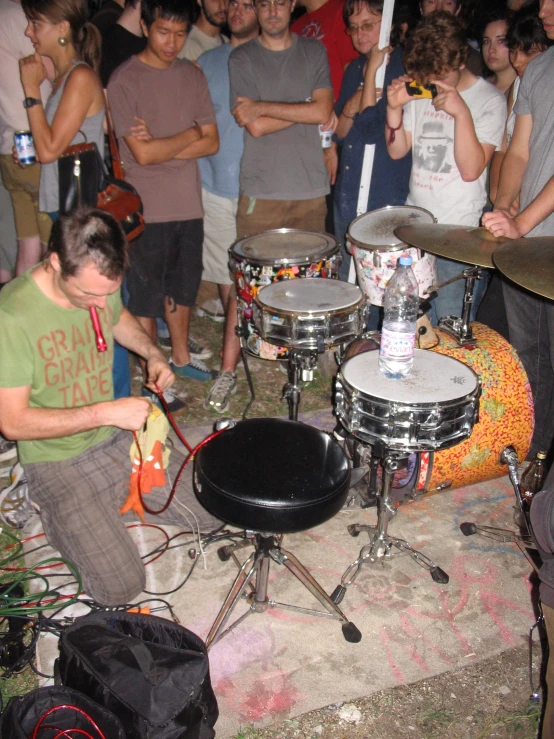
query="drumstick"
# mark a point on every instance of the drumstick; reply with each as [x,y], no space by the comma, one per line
[100,341]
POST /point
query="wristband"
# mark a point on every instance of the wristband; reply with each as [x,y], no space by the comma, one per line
[392,135]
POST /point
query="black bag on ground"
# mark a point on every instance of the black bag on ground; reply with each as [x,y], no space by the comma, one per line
[152,673]
[24,712]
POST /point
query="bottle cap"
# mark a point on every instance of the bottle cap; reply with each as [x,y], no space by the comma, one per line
[541,455]
[405,261]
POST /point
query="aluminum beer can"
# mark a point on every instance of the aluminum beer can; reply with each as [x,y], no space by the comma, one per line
[25,147]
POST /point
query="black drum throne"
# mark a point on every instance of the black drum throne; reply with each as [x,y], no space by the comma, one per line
[272,477]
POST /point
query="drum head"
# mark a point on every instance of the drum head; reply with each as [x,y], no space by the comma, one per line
[310,295]
[375,230]
[285,246]
[435,378]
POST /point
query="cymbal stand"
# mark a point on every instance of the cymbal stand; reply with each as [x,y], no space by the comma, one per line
[524,539]
[380,543]
[460,328]
[301,364]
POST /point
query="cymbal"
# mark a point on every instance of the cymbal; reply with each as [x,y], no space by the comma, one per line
[529,263]
[461,243]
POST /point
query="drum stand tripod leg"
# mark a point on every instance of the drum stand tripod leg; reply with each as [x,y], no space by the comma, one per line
[381,543]
[292,390]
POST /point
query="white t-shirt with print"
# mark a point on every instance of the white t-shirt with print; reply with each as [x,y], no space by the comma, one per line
[435,181]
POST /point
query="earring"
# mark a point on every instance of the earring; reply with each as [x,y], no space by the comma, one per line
[62,41]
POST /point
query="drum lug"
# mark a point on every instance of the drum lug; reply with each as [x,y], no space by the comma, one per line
[376,259]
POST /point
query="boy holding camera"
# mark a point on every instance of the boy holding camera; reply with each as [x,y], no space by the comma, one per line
[453,122]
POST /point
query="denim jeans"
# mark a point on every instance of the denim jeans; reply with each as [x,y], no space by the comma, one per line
[450,299]
[531,326]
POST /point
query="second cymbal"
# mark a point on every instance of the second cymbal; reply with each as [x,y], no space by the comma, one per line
[461,243]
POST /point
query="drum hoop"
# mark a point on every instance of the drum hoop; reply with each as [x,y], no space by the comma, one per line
[417,406]
[385,247]
[330,251]
[356,306]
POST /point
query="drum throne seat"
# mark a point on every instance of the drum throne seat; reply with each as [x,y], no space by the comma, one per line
[272,477]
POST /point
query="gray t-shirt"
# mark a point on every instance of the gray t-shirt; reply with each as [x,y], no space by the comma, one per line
[536,97]
[288,164]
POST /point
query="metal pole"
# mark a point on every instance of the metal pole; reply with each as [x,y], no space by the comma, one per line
[369,150]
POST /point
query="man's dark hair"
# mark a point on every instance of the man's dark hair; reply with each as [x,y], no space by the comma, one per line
[353,6]
[526,31]
[170,10]
[89,235]
[437,46]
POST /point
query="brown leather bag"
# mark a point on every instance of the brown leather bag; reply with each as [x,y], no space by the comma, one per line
[84,180]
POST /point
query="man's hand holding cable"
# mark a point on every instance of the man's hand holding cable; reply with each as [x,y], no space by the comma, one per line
[160,377]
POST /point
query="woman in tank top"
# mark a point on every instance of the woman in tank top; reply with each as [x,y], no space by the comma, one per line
[75,111]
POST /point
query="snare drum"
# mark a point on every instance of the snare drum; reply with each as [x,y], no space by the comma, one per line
[505,416]
[309,314]
[435,407]
[376,249]
[271,256]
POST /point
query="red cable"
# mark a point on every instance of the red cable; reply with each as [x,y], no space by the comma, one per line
[69,707]
[64,732]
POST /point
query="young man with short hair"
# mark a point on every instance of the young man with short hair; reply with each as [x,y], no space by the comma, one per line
[206,34]
[164,119]
[452,137]
[280,91]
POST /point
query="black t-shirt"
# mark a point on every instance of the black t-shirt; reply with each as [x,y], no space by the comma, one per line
[107,15]
[118,45]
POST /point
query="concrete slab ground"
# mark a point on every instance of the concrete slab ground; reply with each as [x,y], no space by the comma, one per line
[279,664]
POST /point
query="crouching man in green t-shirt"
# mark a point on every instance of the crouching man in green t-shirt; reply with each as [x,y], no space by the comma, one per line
[56,401]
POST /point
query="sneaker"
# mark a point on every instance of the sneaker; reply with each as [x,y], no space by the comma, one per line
[212,309]
[16,508]
[196,350]
[220,395]
[8,449]
[174,404]
[194,370]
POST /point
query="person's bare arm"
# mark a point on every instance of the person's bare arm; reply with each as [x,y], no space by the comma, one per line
[514,164]
[205,146]
[399,141]
[471,156]
[501,223]
[81,96]
[148,150]
[19,422]
[254,115]
[130,334]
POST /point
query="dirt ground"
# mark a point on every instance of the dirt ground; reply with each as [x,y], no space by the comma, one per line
[488,699]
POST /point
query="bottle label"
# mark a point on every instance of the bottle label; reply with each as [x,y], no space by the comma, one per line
[396,344]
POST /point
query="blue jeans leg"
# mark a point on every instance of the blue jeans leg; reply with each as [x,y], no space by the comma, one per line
[121,374]
[531,326]
[341,227]
[450,299]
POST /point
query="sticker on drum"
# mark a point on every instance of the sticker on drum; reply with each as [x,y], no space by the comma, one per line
[433,408]
[280,254]
[309,313]
[376,248]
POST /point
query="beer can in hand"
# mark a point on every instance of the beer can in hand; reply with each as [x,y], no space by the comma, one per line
[25,147]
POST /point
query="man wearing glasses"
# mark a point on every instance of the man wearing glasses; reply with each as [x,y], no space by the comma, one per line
[280,91]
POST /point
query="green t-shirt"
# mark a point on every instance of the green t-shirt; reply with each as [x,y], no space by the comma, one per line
[53,350]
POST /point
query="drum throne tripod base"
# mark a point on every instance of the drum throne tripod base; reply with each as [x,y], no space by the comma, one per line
[381,546]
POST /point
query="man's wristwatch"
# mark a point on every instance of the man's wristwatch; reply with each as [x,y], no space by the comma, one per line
[29,102]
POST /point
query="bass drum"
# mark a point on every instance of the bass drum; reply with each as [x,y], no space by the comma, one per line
[505,417]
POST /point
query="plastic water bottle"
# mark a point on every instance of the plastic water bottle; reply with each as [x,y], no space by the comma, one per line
[396,355]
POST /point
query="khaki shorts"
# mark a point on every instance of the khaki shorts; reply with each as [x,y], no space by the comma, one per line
[255,215]
[22,183]
[220,231]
